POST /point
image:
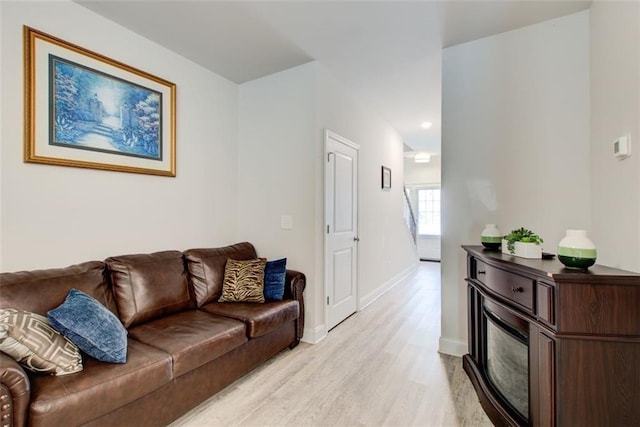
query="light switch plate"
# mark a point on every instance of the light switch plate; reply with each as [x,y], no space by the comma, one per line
[622,147]
[286,222]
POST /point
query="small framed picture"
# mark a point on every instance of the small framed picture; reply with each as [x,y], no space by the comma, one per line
[386,178]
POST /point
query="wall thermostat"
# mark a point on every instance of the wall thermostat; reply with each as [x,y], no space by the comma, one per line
[622,147]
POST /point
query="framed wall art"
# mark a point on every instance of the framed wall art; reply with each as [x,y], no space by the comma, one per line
[85,110]
[386,178]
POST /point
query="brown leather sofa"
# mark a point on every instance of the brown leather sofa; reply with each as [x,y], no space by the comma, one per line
[183,345]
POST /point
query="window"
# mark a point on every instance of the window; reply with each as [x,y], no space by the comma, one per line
[429,211]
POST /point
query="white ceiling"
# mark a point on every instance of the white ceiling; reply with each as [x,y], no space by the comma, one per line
[387,52]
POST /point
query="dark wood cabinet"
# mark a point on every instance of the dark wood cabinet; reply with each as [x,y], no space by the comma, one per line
[574,333]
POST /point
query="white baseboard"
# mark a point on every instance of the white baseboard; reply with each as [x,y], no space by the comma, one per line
[386,286]
[315,335]
[453,347]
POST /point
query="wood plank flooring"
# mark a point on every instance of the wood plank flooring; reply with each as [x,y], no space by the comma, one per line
[380,367]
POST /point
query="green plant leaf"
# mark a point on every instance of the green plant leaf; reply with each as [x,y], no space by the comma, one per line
[521,235]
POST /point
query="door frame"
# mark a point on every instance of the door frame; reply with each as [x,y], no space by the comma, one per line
[328,134]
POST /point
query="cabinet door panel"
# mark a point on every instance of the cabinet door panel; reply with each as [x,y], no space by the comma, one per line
[546,383]
[546,303]
[598,382]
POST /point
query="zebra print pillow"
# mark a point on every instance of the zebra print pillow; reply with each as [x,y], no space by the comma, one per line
[30,340]
[243,281]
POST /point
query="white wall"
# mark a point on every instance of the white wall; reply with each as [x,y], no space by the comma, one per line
[515,145]
[277,146]
[429,248]
[281,146]
[422,173]
[1,108]
[615,111]
[56,216]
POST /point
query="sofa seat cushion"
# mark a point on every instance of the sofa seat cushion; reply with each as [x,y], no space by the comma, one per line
[192,338]
[260,318]
[100,388]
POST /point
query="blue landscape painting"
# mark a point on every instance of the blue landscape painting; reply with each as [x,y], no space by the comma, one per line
[95,111]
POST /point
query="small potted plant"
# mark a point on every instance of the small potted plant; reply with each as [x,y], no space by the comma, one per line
[523,243]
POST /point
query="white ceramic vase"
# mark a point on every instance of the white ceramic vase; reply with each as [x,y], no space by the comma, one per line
[576,250]
[491,237]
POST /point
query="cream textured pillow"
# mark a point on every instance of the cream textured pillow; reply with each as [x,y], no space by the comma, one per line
[243,281]
[30,340]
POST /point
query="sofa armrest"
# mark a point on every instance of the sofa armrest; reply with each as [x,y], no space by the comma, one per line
[15,392]
[295,282]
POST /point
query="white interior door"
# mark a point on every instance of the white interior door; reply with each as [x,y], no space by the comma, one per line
[341,242]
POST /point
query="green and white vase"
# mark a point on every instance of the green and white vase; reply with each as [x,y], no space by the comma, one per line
[491,237]
[576,250]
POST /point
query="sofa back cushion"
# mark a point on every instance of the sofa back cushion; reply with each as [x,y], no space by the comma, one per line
[39,291]
[148,286]
[206,269]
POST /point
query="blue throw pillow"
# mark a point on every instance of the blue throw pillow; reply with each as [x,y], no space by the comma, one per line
[91,326]
[274,275]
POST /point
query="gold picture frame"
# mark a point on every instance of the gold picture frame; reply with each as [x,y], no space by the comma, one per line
[85,110]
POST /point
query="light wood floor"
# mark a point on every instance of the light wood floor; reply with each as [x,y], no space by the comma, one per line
[380,367]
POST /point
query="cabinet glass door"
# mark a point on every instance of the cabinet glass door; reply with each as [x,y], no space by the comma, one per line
[507,364]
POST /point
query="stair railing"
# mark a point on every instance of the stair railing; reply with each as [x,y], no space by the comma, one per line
[409,217]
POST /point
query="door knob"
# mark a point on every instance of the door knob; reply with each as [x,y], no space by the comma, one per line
[356,239]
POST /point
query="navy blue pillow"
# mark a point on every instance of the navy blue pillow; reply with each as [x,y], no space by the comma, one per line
[91,326]
[274,275]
